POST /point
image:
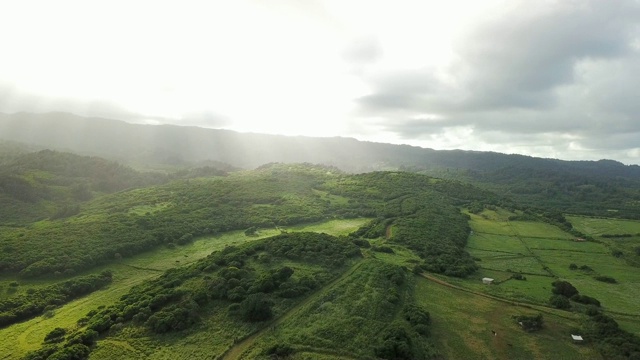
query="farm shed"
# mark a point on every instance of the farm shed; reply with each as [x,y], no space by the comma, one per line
[487,281]
[576,337]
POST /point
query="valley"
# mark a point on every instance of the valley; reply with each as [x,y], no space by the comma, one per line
[304,261]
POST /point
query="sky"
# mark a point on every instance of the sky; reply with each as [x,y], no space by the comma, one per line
[543,78]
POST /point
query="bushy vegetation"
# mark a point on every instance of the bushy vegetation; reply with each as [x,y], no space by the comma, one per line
[22,307]
[530,323]
[236,279]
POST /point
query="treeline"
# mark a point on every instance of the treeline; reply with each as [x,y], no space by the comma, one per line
[247,281]
[420,213]
[37,301]
[111,227]
[127,223]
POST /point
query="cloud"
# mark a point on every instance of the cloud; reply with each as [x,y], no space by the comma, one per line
[556,70]
[363,51]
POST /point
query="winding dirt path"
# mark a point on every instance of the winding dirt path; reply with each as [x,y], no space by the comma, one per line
[237,350]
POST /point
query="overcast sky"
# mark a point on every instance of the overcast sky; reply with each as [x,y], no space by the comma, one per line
[544,78]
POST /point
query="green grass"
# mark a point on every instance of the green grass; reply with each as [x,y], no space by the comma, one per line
[569,245]
[462,324]
[552,248]
[509,244]
[480,224]
[600,226]
[21,338]
[345,319]
[538,229]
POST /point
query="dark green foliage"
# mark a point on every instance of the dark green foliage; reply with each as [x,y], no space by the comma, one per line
[255,308]
[225,279]
[560,302]
[184,210]
[72,352]
[23,307]
[612,341]
[42,353]
[87,337]
[419,318]
[563,288]
[382,249]
[607,279]
[530,323]
[175,317]
[362,243]
[518,277]
[55,335]
[573,266]
[396,344]
[584,299]
[280,351]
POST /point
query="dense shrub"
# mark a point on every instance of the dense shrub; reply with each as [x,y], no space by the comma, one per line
[530,323]
[563,288]
[607,279]
[560,302]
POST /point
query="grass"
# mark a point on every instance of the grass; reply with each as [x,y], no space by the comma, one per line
[600,226]
[536,247]
[505,243]
[538,230]
[568,245]
[21,338]
[345,320]
[462,323]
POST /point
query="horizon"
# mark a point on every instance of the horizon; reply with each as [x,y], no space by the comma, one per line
[142,123]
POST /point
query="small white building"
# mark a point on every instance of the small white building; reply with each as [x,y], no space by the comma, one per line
[576,337]
[487,281]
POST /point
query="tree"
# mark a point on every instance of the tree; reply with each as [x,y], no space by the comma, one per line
[563,288]
[560,302]
[255,308]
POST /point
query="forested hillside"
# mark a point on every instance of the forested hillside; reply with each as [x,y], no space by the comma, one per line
[127,223]
[604,188]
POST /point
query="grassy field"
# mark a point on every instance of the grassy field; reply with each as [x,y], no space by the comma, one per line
[462,325]
[600,226]
[20,338]
[544,253]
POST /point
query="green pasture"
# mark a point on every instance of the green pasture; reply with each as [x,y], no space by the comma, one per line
[538,230]
[514,264]
[620,297]
[20,338]
[568,245]
[462,325]
[484,241]
[600,226]
[484,224]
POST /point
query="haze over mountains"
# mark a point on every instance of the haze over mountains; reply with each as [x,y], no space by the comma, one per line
[153,146]
[603,187]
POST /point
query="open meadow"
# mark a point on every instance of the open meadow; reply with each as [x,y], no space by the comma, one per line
[543,253]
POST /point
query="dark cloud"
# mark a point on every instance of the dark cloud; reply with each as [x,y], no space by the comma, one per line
[564,71]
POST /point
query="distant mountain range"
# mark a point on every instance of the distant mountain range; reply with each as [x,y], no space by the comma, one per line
[162,145]
[603,187]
